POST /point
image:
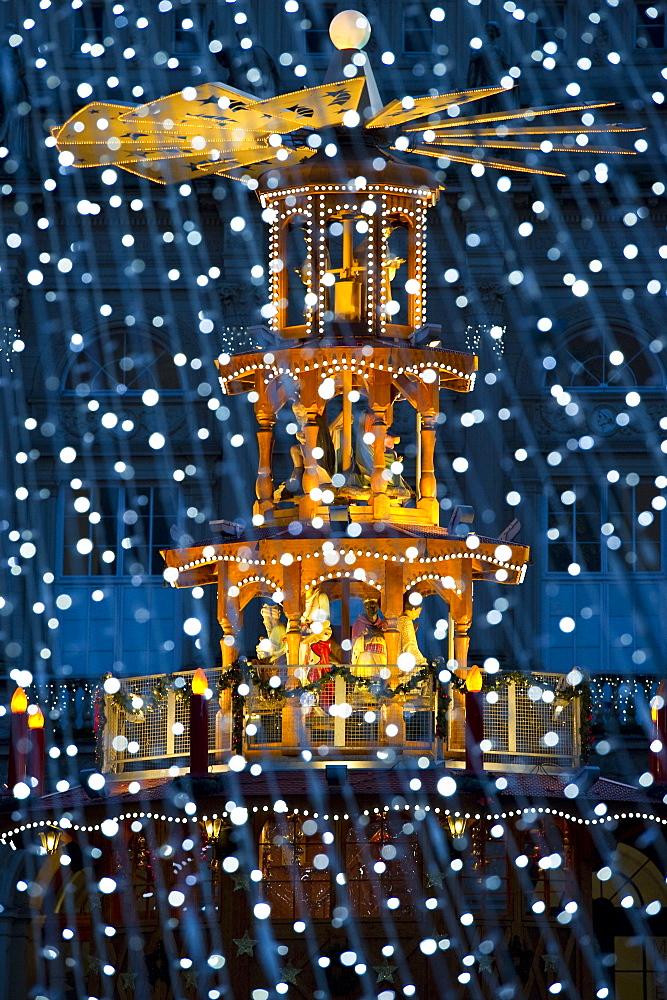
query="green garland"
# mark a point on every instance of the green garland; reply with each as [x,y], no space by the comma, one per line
[151,699]
[378,687]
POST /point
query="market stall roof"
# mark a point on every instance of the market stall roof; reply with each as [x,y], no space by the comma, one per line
[522,790]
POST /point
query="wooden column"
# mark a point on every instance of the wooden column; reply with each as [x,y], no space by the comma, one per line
[658,755]
[293,601]
[380,400]
[345,619]
[392,607]
[412,270]
[310,479]
[310,475]
[427,483]
[461,644]
[293,729]
[424,397]
[378,482]
[346,440]
[460,607]
[293,640]
[280,301]
[264,485]
[418,456]
[348,246]
[392,638]
[228,618]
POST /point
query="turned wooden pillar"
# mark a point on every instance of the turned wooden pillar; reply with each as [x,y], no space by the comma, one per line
[311,478]
[391,637]
[460,607]
[292,641]
[461,644]
[293,729]
[345,630]
[427,481]
[228,618]
[264,484]
[380,402]
[346,439]
[293,601]
[378,482]
[392,607]
[228,649]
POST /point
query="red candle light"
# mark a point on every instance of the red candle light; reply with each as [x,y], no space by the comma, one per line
[18,738]
[658,759]
[199,724]
[37,752]
[474,719]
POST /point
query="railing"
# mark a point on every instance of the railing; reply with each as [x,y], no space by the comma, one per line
[523,723]
[343,715]
[156,734]
[515,725]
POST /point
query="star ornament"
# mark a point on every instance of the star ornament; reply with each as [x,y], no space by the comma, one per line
[245,945]
[385,971]
[241,881]
[217,129]
[434,880]
[289,974]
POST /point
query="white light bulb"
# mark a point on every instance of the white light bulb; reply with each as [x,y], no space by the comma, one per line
[349,30]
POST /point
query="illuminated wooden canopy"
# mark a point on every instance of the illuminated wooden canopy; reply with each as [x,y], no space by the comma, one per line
[373,374]
[285,566]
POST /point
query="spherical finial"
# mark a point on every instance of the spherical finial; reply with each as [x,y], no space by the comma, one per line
[350,30]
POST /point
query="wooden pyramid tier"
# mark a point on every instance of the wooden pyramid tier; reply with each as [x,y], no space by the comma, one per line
[347,245]
[342,398]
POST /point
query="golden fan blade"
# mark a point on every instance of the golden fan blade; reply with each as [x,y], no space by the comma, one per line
[528,146]
[172,170]
[315,107]
[396,113]
[494,164]
[220,105]
[175,165]
[90,134]
[161,149]
[582,130]
[83,124]
[253,170]
[505,116]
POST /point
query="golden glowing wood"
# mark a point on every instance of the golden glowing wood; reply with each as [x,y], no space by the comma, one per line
[433,563]
[214,128]
[202,130]
[384,565]
[527,114]
[363,363]
[446,154]
[409,109]
[502,130]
